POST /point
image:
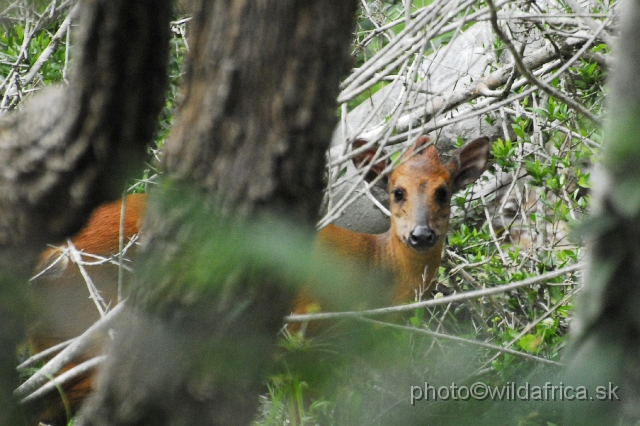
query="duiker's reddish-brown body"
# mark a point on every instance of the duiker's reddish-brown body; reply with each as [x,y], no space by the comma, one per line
[420,191]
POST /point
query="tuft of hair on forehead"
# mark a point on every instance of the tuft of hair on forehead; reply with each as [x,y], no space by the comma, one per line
[429,153]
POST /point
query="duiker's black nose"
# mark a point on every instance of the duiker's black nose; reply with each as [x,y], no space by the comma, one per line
[422,237]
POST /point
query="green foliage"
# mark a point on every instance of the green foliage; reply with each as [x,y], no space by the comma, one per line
[11,42]
[503,153]
[498,48]
[176,61]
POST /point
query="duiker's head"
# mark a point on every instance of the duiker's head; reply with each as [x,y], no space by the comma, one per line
[420,189]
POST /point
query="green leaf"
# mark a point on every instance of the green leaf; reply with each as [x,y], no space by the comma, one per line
[530,343]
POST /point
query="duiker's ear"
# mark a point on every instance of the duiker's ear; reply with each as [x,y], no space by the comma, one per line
[365,158]
[469,162]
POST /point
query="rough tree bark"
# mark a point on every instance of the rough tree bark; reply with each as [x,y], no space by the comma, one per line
[607,340]
[257,116]
[71,149]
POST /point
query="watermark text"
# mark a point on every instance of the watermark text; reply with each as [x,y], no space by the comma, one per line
[513,392]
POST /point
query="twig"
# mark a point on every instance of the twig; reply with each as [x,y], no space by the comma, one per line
[53,43]
[80,344]
[589,22]
[492,232]
[529,326]
[458,270]
[68,375]
[461,340]
[94,294]
[435,302]
[530,77]
[400,48]
[123,209]
[41,355]
[377,203]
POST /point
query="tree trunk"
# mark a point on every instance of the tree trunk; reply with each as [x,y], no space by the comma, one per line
[69,150]
[607,340]
[257,115]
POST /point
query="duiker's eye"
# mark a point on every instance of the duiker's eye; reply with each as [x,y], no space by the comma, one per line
[442,194]
[398,195]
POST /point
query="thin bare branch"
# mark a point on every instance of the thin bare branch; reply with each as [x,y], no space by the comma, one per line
[53,44]
[44,354]
[529,76]
[79,345]
[435,302]
[65,377]
[464,341]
